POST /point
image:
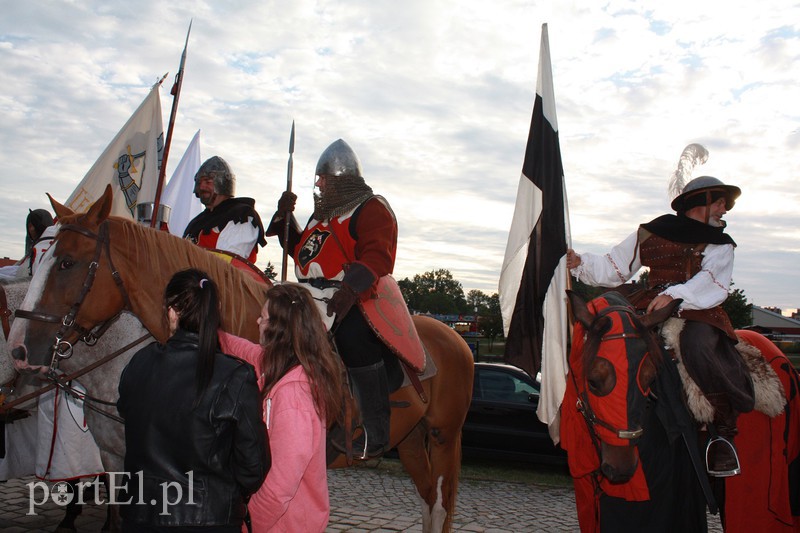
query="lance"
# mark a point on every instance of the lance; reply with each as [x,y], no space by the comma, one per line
[287,217]
[176,93]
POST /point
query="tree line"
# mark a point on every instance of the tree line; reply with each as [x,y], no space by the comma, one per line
[437,292]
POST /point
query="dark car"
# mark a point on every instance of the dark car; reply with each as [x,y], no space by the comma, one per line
[502,418]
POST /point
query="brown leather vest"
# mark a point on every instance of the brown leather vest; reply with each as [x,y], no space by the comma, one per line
[672,263]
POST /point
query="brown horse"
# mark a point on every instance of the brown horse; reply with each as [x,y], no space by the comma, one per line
[633,447]
[101,265]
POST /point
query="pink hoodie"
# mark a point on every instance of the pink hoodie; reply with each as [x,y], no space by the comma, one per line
[294,496]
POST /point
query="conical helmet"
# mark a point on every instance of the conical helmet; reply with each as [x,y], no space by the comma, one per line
[339,159]
[217,169]
[705,190]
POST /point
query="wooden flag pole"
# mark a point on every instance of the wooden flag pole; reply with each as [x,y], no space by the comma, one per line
[176,93]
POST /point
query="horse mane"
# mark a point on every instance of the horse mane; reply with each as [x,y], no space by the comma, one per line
[150,257]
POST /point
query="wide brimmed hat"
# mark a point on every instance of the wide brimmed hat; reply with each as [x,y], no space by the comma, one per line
[704,191]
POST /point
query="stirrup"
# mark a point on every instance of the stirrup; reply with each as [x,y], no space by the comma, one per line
[722,441]
[359,454]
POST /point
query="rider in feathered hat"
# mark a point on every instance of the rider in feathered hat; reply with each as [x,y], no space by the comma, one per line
[690,257]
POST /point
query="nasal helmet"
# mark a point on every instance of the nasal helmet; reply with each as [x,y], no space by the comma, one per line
[337,160]
[218,170]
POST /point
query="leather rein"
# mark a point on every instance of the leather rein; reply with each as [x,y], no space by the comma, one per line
[62,349]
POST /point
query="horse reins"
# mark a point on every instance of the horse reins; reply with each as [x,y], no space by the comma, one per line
[62,382]
[61,348]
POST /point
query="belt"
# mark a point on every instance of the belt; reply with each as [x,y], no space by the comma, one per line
[322,283]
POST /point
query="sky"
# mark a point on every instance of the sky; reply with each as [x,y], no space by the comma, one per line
[436,100]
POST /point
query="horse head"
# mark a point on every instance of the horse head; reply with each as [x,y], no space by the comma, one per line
[614,358]
[99,266]
[74,289]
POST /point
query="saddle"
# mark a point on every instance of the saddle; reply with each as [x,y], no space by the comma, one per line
[237,261]
[769,394]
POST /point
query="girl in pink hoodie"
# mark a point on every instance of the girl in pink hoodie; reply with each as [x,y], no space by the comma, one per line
[301,384]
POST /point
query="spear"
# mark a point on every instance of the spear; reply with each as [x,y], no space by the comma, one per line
[288,215]
[176,93]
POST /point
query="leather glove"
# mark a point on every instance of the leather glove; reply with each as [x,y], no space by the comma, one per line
[287,202]
[341,302]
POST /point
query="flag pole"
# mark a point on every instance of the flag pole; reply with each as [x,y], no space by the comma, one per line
[288,215]
[176,93]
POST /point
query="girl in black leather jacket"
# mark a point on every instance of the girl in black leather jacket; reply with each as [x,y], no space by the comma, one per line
[194,432]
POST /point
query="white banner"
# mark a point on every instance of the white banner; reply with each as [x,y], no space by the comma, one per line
[130,163]
[178,194]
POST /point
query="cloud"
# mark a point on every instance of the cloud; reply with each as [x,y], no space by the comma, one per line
[436,98]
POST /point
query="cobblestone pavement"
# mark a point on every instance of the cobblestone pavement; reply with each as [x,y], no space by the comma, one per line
[364,499]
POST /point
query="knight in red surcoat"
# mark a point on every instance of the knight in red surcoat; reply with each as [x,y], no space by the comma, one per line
[690,257]
[228,223]
[348,244]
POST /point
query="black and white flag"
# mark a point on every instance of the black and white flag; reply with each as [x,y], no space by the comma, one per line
[534,274]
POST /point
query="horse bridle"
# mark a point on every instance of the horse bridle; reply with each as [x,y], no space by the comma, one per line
[61,348]
[583,405]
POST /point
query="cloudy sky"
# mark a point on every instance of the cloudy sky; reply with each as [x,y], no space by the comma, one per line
[436,98]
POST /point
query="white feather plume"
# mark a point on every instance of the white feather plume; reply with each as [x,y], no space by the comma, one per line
[691,156]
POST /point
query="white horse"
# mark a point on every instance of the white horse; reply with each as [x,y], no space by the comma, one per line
[107,430]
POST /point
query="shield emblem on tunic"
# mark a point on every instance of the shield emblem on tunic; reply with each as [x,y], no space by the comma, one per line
[388,316]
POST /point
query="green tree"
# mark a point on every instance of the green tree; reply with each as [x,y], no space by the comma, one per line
[269,271]
[434,292]
[739,310]
[477,299]
[490,322]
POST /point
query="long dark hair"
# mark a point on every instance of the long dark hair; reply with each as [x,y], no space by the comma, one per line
[195,297]
[295,336]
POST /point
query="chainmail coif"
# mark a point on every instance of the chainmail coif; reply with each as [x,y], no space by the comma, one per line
[342,194]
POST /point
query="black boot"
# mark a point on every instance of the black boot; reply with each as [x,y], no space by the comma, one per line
[721,457]
[371,389]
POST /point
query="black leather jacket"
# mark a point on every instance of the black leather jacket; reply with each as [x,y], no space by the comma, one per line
[216,454]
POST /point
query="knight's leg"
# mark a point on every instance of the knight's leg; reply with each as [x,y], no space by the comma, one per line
[371,388]
[718,369]
[721,457]
[363,355]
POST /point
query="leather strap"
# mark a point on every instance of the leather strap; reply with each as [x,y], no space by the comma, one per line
[38,392]
[5,312]
[413,378]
